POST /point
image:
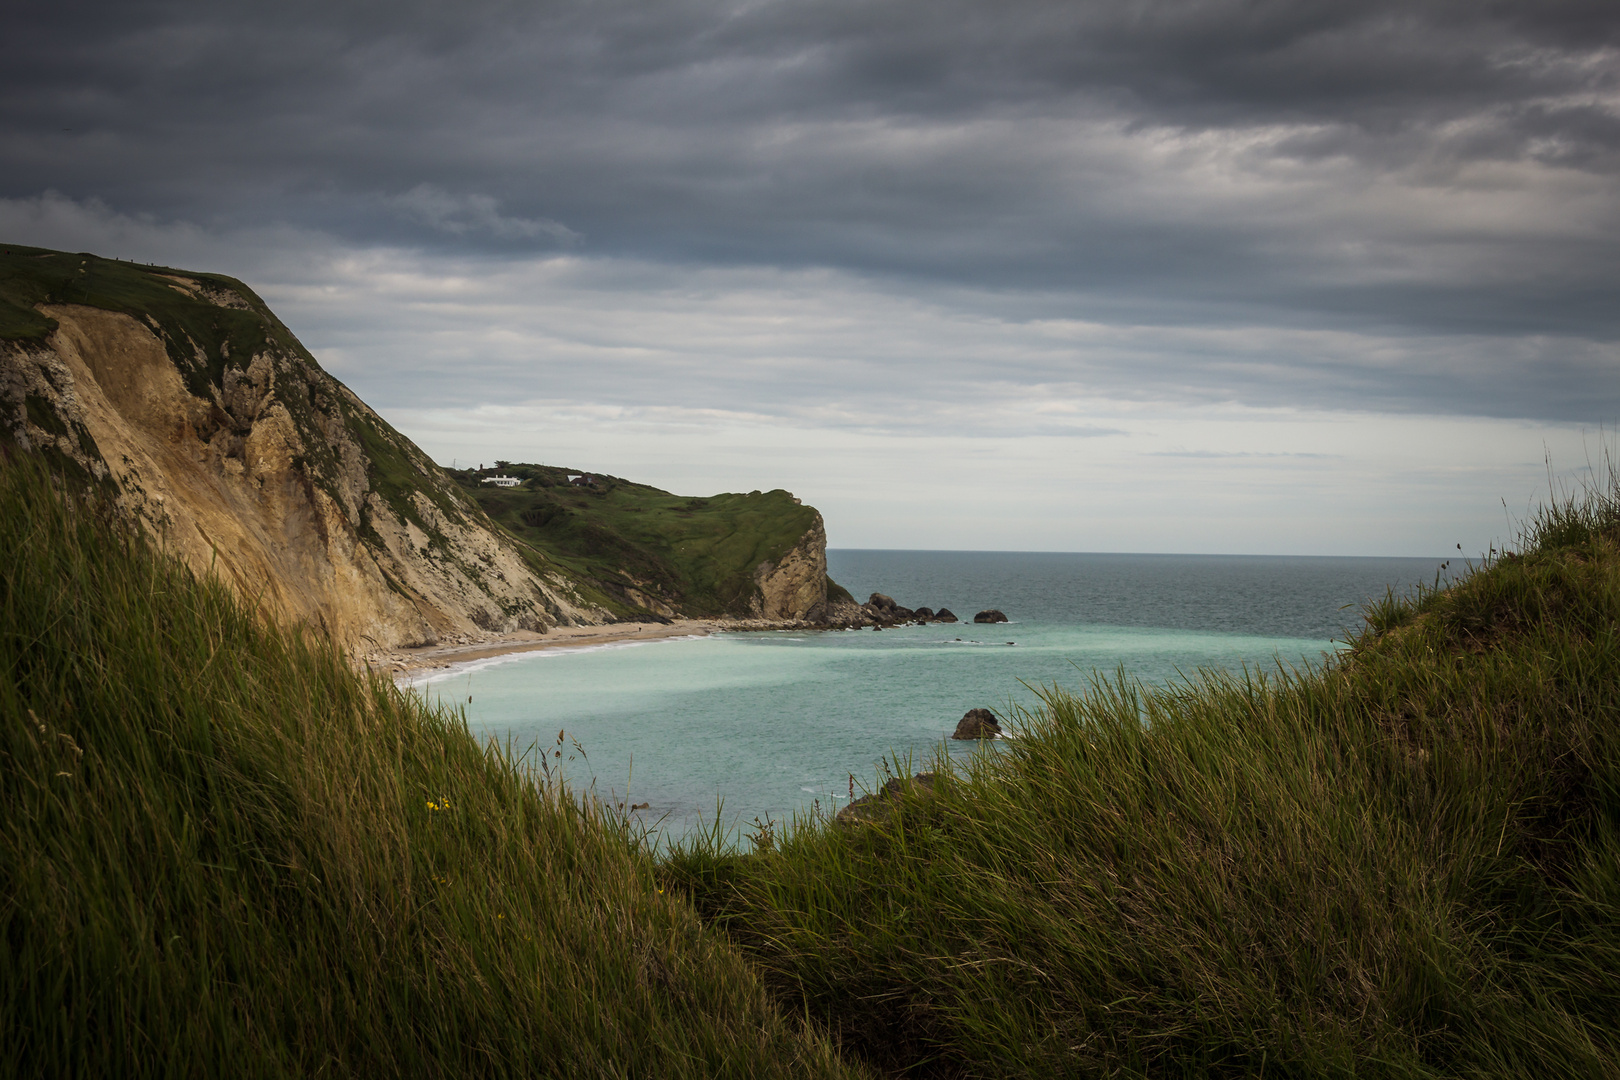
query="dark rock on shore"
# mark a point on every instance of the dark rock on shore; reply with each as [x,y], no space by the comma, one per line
[875,807]
[990,616]
[882,610]
[887,610]
[977,724]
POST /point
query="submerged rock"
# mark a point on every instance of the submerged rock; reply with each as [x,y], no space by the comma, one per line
[977,724]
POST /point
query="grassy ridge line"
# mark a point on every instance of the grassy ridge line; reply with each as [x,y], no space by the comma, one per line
[1403,864]
[695,555]
[201,335]
[223,852]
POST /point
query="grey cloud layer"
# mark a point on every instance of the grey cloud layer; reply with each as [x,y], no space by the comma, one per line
[1427,169]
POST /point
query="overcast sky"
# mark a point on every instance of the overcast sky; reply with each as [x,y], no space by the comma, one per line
[1270,277]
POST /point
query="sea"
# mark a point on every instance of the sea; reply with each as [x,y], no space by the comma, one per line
[740,730]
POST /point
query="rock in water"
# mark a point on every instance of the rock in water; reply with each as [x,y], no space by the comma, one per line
[883,609]
[977,724]
[990,616]
[944,614]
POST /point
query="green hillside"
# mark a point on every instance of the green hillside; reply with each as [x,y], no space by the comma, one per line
[695,555]
[225,853]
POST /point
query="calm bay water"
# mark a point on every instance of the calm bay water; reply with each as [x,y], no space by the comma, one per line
[768,722]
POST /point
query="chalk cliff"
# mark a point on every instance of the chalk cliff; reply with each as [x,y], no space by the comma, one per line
[795,586]
[206,421]
[214,428]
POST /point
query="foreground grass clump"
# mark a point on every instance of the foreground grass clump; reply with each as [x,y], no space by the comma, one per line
[222,852]
[1403,864]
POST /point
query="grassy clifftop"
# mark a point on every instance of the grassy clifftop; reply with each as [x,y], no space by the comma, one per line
[204,319]
[648,548]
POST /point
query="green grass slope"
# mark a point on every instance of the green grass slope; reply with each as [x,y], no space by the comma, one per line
[697,556]
[1404,864]
[223,852]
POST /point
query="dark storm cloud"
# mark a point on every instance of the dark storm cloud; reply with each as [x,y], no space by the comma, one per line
[1426,168]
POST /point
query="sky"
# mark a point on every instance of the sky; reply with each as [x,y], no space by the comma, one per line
[1268,277]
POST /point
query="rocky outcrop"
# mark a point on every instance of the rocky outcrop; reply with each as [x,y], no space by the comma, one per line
[881,610]
[990,616]
[844,612]
[257,465]
[886,611]
[878,805]
[977,724]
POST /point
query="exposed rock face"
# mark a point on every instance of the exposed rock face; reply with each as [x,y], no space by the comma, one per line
[845,612]
[990,616]
[271,473]
[977,724]
[795,586]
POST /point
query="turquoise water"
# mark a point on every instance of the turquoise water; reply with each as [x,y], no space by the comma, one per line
[768,723]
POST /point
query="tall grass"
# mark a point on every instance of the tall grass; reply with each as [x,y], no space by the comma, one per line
[222,852]
[1404,863]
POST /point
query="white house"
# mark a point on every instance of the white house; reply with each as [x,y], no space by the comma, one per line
[503,481]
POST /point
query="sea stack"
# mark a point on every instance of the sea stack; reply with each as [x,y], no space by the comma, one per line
[977,724]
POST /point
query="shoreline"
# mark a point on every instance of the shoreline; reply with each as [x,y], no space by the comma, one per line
[404,661]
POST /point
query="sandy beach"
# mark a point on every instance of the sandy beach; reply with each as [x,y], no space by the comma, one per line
[401,661]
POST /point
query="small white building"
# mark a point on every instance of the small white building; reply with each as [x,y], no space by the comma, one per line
[503,481]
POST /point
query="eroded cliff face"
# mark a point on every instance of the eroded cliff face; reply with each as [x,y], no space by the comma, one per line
[794,587]
[274,476]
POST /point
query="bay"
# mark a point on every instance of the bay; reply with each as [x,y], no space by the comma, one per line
[767,725]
